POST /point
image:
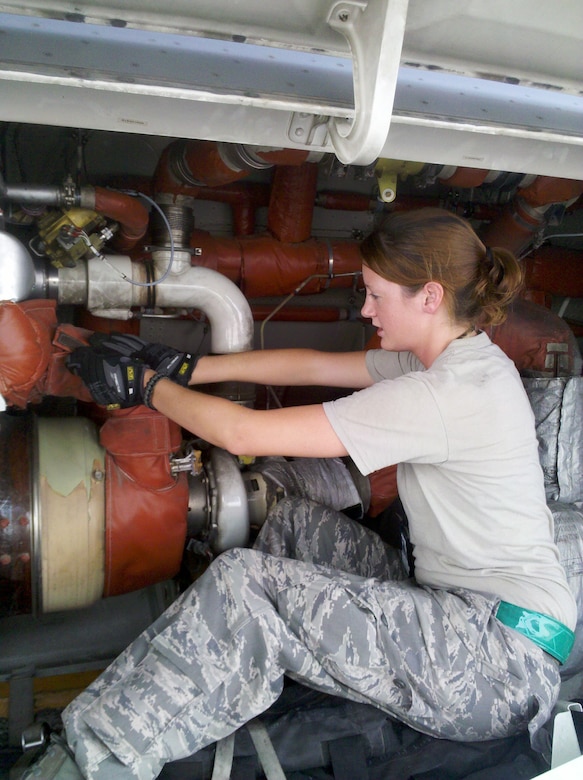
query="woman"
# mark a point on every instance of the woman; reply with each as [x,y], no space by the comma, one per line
[470,648]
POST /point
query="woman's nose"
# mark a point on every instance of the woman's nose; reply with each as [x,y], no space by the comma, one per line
[367,309]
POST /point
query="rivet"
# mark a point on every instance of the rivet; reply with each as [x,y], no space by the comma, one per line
[4,522]
[23,520]
[5,560]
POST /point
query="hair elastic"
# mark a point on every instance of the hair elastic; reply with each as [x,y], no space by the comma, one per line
[489,256]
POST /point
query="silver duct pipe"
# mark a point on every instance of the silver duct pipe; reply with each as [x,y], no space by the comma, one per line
[110,286]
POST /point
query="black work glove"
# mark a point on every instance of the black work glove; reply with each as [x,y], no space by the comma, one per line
[113,380]
[167,361]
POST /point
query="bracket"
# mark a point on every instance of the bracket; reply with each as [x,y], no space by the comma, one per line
[374,31]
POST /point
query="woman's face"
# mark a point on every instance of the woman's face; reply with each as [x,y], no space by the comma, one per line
[393,311]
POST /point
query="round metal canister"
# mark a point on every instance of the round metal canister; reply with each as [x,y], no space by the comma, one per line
[16,513]
[52,529]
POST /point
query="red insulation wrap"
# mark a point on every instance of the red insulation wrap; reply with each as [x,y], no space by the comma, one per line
[33,348]
[264,266]
[132,216]
[555,270]
[185,165]
[202,161]
[466,177]
[146,506]
[291,207]
[518,222]
[244,198]
[527,333]
[549,189]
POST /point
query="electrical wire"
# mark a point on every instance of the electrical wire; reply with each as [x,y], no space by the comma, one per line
[295,292]
[286,300]
[168,227]
[562,235]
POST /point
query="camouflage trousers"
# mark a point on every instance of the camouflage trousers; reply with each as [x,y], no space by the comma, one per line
[322,600]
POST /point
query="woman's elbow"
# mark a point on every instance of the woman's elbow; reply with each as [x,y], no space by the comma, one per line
[237,438]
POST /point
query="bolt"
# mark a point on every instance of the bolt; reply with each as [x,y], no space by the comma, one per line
[343,16]
[5,560]
[24,558]
[4,522]
[98,475]
[23,520]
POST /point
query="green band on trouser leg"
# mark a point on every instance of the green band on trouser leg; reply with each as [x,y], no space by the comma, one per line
[554,637]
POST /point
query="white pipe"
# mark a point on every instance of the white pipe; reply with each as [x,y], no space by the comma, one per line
[105,286]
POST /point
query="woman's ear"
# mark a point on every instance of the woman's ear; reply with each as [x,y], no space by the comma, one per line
[432,297]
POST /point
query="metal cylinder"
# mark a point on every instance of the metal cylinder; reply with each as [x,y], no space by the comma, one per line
[52,528]
[16,515]
[180,221]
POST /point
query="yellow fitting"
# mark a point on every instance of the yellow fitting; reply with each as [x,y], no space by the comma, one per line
[388,172]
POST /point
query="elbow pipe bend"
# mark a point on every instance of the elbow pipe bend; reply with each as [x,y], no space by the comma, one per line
[200,164]
[219,298]
[131,214]
[97,286]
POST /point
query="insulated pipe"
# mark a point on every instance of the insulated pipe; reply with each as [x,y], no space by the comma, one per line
[291,205]
[128,211]
[547,189]
[526,214]
[244,198]
[463,177]
[555,270]
[106,289]
[224,304]
[345,201]
[212,164]
[300,313]
[264,266]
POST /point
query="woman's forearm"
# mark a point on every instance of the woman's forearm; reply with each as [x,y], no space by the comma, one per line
[302,431]
[286,367]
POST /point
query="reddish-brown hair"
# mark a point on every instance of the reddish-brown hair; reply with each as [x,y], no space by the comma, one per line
[415,247]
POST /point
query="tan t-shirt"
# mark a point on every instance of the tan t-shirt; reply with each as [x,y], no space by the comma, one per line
[469,474]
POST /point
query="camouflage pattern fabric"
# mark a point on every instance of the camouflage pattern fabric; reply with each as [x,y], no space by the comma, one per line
[322,600]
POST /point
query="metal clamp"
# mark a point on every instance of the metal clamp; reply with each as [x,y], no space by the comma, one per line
[36,735]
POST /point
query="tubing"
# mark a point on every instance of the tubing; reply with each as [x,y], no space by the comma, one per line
[291,206]
[101,287]
[524,217]
[125,209]
[264,266]
[465,178]
[554,270]
[223,303]
[546,189]
[199,164]
[34,194]
[244,198]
